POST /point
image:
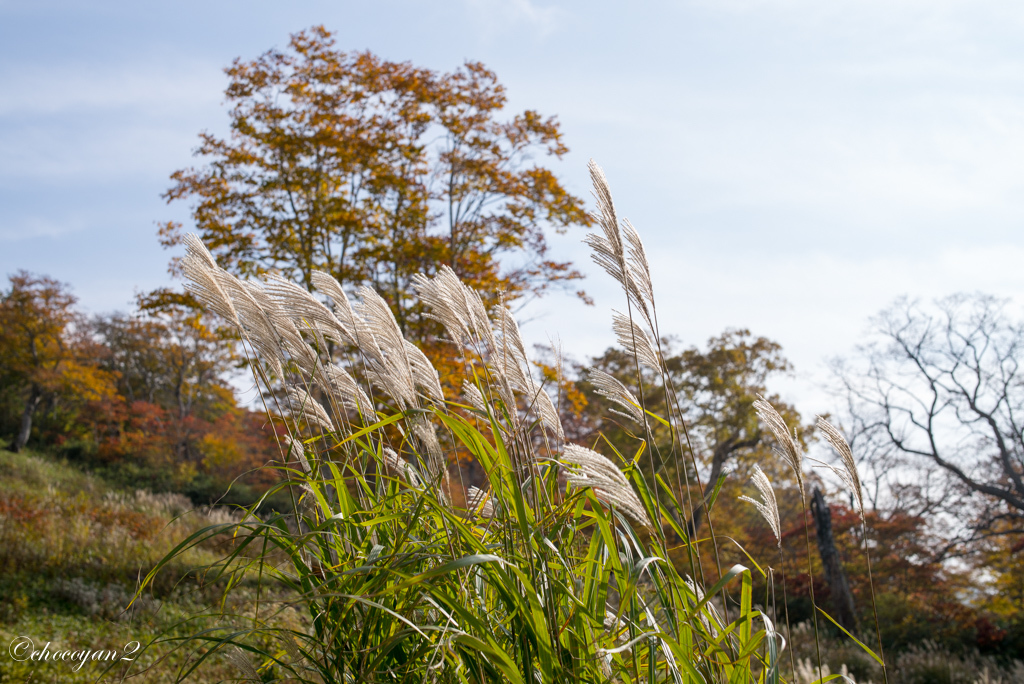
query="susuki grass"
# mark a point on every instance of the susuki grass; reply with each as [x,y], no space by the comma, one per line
[558,571]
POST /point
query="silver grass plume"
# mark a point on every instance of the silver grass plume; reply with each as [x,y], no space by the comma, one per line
[587,468]
[461,310]
[424,431]
[298,351]
[635,341]
[226,296]
[396,466]
[768,507]
[511,352]
[354,325]
[455,305]
[444,296]
[405,367]
[296,449]
[546,411]
[304,307]
[201,269]
[512,361]
[609,387]
[270,330]
[328,284]
[302,405]
[609,250]
[348,393]
[473,396]
[298,306]
[848,473]
[788,449]
[256,324]
[479,502]
[241,661]
[640,271]
[394,373]
[424,375]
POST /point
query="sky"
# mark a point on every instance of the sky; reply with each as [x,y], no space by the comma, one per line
[793,166]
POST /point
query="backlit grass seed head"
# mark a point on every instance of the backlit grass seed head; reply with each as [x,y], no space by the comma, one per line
[608,251]
[587,468]
[473,396]
[424,375]
[347,392]
[446,301]
[511,352]
[228,297]
[398,467]
[640,271]
[479,502]
[767,507]
[295,450]
[609,387]
[394,374]
[241,661]
[201,269]
[545,410]
[424,431]
[329,285]
[848,472]
[358,331]
[403,369]
[303,406]
[788,449]
[634,340]
[304,309]
[617,248]
[458,307]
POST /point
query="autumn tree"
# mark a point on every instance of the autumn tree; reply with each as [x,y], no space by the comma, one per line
[176,422]
[175,358]
[714,388]
[374,171]
[44,354]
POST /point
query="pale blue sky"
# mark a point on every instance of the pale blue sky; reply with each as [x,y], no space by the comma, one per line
[793,165]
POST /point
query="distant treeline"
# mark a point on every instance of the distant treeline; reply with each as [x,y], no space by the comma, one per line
[145,396]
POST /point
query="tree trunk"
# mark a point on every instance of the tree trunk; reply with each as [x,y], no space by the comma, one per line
[717,462]
[31,405]
[838,586]
[720,455]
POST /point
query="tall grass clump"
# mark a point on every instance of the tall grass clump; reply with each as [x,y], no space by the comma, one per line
[557,571]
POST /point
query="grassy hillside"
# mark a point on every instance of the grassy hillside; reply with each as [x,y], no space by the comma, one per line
[72,550]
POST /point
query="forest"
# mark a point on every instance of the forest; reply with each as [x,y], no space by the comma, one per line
[329,456]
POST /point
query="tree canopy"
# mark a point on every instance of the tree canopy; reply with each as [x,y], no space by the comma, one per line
[373,171]
[937,400]
[44,353]
[715,389]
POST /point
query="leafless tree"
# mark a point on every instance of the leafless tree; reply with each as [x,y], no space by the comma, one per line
[937,404]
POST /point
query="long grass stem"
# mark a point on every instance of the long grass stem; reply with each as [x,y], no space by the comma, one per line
[810,586]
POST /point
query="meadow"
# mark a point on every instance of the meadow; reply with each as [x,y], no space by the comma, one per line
[367,557]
